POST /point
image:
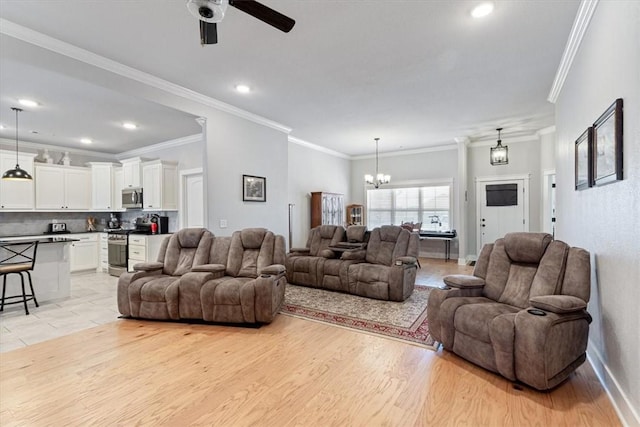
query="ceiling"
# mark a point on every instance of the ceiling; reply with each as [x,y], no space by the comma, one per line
[414,73]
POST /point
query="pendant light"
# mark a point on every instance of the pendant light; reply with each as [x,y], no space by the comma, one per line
[499,153]
[17,174]
[379,178]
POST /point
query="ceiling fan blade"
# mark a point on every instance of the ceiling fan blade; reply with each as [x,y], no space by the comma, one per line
[208,33]
[265,14]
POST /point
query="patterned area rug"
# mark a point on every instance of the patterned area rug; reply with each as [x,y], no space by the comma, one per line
[404,321]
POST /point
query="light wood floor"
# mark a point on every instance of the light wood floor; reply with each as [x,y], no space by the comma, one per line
[292,372]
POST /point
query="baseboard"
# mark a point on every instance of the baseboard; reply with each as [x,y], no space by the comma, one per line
[619,400]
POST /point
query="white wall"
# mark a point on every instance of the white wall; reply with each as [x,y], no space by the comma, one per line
[311,170]
[606,220]
[188,156]
[524,159]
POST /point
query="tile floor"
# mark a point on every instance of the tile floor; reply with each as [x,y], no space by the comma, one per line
[92,303]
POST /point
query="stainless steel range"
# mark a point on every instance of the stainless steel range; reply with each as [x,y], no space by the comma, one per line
[117,243]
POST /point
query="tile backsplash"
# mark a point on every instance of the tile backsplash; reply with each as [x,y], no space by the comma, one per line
[35,223]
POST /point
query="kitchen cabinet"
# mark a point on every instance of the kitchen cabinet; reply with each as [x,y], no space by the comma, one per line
[143,248]
[103,190]
[16,194]
[132,172]
[118,185]
[355,215]
[103,253]
[160,185]
[83,254]
[62,187]
[327,208]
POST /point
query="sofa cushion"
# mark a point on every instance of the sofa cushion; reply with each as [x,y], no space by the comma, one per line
[475,319]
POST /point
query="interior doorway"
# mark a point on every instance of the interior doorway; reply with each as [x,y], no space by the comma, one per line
[502,206]
[192,198]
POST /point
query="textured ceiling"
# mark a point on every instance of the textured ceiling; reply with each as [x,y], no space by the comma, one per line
[414,73]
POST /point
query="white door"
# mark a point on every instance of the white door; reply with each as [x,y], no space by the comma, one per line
[192,200]
[502,208]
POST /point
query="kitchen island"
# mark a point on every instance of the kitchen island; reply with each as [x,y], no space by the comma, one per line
[51,277]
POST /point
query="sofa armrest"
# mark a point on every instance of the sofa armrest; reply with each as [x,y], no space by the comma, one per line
[357,255]
[273,270]
[406,260]
[463,281]
[299,251]
[560,304]
[209,268]
[148,266]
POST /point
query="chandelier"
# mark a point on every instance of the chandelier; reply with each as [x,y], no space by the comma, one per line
[499,153]
[379,178]
[16,174]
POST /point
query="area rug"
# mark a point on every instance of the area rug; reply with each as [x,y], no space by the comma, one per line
[405,321]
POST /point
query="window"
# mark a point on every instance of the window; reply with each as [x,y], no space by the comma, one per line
[428,204]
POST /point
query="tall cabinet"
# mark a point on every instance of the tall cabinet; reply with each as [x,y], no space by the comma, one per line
[327,208]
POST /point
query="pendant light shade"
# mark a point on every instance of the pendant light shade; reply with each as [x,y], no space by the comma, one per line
[16,174]
[379,178]
[499,153]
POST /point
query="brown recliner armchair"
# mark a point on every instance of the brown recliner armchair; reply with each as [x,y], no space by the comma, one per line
[390,264]
[151,291]
[243,283]
[523,312]
[303,263]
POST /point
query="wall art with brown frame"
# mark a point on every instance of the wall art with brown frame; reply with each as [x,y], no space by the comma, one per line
[607,146]
[584,160]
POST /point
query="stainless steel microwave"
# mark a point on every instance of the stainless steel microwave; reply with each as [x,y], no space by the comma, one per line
[132,198]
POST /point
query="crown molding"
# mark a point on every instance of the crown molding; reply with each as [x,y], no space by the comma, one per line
[38,146]
[160,146]
[445,147]
[580,25]
[38,39]
[316,147]
[492,142]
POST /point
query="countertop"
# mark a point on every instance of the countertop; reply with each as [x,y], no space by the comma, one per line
[40,240]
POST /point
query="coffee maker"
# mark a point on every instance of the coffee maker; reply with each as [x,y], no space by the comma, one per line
[114,222]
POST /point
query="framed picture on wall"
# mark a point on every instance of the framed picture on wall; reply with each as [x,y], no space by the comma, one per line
[584,153]
[607,145]
[254,188]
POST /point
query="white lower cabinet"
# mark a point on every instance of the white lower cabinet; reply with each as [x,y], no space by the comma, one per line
[83,254]
[103,253]
[143,248]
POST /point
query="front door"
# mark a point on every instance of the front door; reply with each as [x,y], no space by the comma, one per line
[502,208]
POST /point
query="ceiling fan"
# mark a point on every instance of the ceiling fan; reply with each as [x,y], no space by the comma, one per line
[210,12]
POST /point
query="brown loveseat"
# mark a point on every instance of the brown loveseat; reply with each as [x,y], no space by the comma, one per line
[237,279]
[523,312]
[385,269]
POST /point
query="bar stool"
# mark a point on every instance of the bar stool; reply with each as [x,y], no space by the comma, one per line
[17,258]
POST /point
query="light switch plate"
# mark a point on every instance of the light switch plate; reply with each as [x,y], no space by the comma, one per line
[223,223]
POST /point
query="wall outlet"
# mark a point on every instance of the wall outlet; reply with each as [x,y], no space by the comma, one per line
[54,221]
[223,223]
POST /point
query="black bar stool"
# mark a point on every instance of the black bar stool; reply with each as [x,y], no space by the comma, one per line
[17,258]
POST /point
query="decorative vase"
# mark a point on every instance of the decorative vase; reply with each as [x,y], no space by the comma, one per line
[46,157]
[66,160]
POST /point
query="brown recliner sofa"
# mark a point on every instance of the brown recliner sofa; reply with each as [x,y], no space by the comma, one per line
[381,264]
[522,313]
[236,279]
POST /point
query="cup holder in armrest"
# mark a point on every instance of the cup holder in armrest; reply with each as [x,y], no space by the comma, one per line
[537,312]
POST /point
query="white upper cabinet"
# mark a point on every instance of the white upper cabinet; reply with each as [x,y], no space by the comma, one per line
[62,187]
[16,194]
[103,189]
[160,185]
[118,185]
[132,172]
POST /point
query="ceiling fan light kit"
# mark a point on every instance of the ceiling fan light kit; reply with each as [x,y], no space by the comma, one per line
[210,12]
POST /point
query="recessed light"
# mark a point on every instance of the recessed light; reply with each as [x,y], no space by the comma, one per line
[28,102]
[482,10]
[243,88]
[2,127]
[86,140]
[129,125]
